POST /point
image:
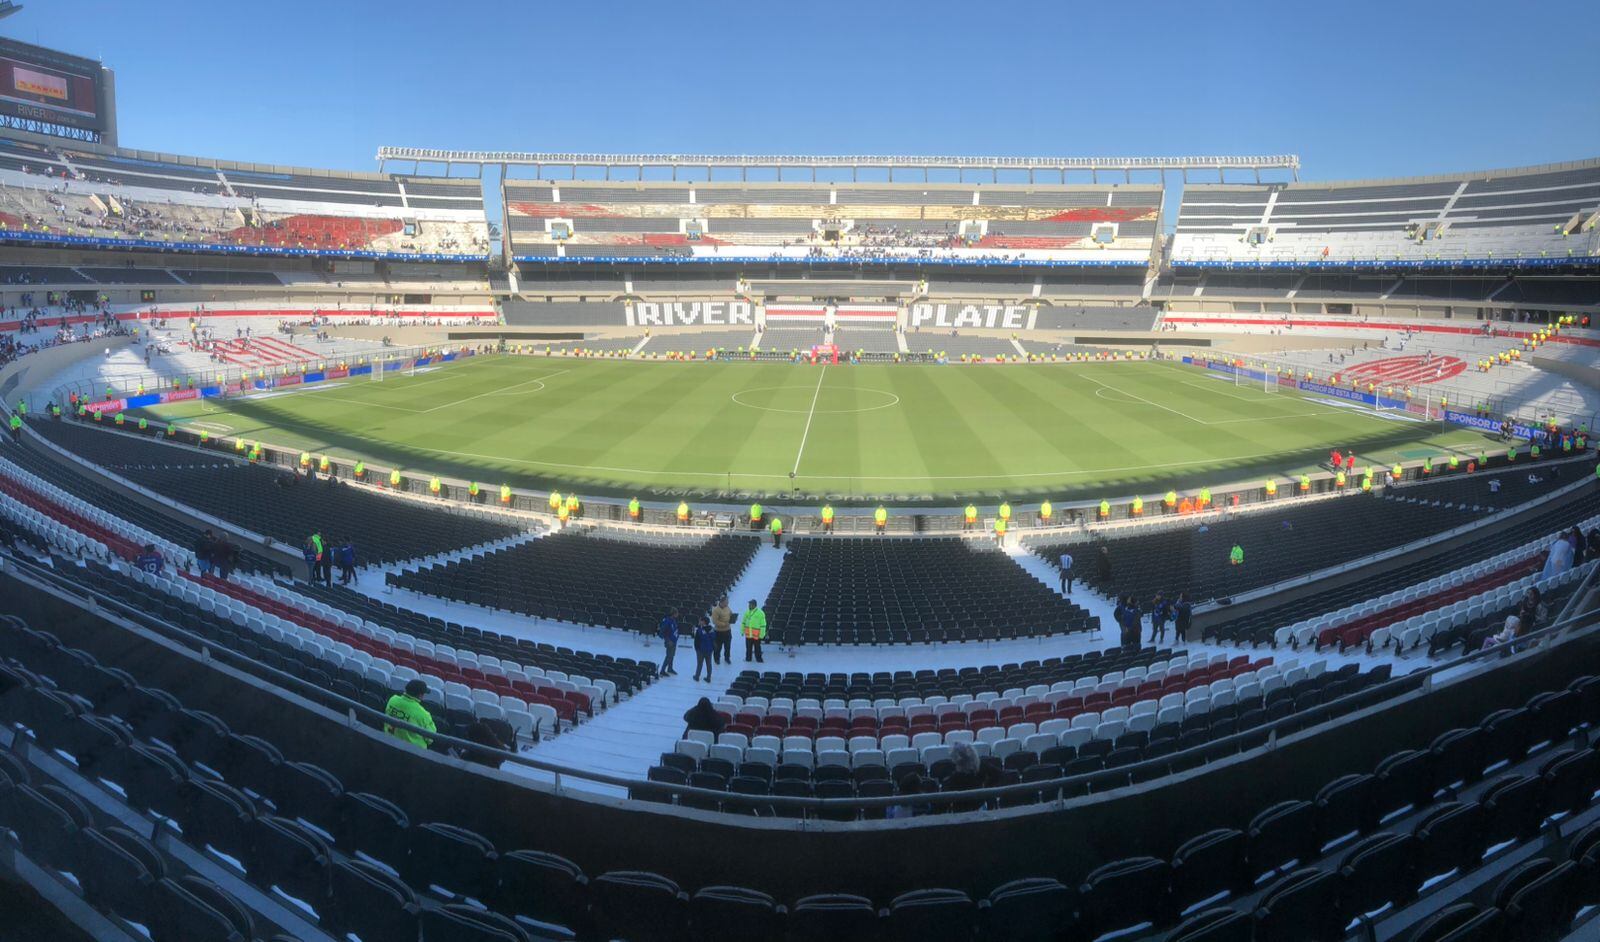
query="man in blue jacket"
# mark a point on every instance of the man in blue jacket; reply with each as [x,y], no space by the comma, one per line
[667,631]
[705,644]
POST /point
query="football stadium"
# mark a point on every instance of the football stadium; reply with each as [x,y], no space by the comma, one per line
[1074,548]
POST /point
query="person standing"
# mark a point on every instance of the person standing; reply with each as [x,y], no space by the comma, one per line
[1182,612]
[347,562]
[1158,619]
[1066,573]
[722,629]
[705,644]
[667,631]
[203,547]
[754,624]
[1102,568]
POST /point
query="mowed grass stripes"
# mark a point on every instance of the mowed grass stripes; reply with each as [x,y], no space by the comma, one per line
[909,432]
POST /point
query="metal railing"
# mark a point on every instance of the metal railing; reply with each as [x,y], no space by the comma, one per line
[657,795]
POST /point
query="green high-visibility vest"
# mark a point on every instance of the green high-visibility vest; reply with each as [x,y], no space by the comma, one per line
[16,422]
[633,507]
[1305,482]
[119,418]
[880,515]
[755,513]
[204,436]
[1172,498]
[394,478]
[1397,471]
[1535,451]
[305,458]
[1339,479]
[1138,505]
[408,710]
[361,469]
[827,514]
[1454,462]
[972,513]
[473,488]
[1236,555]
[505,493]
[144,424]
[777,525]
[555,499]
[1205,495]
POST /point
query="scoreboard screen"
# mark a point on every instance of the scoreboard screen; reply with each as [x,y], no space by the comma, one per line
[39,84]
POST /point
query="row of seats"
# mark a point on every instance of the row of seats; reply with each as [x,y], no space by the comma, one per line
[912,687]
[1195,682]
[591,579]
[896,591]
[1279,544]
[305,834]
[833,766]
[1266,626]
[85,487]
[626,674]
[528,698]
[254,498]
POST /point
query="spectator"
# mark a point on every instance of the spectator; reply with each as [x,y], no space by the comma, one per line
[309,552]
[347,562]
[1560,558]
[1126,616]
[1066,573]
[722,626]
[203,547]
[149,560]
[226,557]
[1158,619]
[968,773]
[1102,567]
[1182,612]
[703,716]
[667,631]
[1580,547]
[483,734]
[1509,633]
[407,707]
[1531,610]
[705,644]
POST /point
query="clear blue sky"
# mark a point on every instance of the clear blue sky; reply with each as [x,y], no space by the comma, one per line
[1357,89]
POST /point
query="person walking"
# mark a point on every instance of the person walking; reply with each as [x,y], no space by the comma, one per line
[667,631]
[407,706]
[754,624]
[705,644]
[722,628]
[1066,573]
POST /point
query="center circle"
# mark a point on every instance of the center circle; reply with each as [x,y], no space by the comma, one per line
[803,397]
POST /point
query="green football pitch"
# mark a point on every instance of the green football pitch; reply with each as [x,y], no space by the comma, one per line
[903,432]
